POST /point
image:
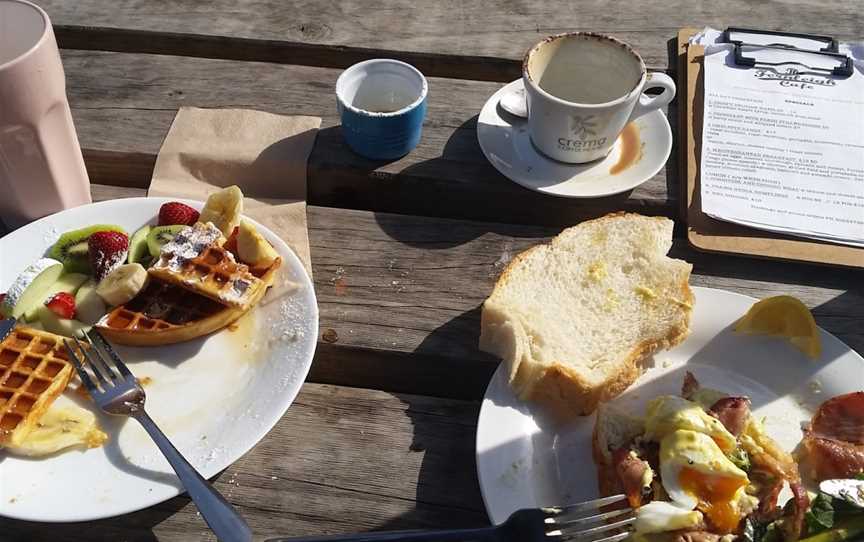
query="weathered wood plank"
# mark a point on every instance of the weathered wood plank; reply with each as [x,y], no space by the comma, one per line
[315,473]
[123,105]
[481,68]
[400,295]
[414,285]
[485,28]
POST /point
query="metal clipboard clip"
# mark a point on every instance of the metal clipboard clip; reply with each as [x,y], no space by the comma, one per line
[801,53]
[805,42]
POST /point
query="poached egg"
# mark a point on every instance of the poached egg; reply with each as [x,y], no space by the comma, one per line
[696,474]
[669,413]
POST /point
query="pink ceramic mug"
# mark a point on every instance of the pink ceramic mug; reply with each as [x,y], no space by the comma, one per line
[41,167]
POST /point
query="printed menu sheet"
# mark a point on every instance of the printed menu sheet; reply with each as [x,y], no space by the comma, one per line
[783,146]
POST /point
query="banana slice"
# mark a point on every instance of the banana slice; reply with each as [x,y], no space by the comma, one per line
[64,425]
[223,209]
[122,284]
[252,248]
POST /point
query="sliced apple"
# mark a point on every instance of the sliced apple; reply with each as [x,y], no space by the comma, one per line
[89,306]
[68,282]
[30,286]
[61,326]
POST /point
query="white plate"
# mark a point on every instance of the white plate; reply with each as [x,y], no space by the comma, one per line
[523,461]
[214,397]
[505,141]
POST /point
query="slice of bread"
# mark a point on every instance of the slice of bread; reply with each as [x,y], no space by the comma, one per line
[574,319]
[613,429]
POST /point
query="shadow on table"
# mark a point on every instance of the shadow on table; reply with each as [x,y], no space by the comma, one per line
[791,274]
[497,204]
[444,432]
[448,494]
[842,317]
[134,527]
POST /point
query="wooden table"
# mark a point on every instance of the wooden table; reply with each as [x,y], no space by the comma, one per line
[403,253]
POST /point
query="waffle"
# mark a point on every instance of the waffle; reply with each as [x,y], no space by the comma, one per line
[195,260]
[164,313]
[34,370]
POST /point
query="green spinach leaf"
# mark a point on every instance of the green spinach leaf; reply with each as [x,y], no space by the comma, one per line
[741,459]
[820,517]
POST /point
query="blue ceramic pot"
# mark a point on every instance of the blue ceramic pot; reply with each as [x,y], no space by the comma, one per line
[382,104]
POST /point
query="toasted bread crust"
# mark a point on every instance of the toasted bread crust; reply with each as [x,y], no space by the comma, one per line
[561,390]
[565,392]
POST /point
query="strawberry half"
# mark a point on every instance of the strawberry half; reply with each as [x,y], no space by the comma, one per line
[107,251]
[62,304]
[176,213]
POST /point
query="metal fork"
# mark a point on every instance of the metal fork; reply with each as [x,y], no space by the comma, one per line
[584,522]
[117,391]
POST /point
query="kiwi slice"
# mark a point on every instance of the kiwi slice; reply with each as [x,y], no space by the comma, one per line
[159,235]
[71,248]
[139,252]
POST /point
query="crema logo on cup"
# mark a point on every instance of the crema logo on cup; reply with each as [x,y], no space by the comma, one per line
[583,89]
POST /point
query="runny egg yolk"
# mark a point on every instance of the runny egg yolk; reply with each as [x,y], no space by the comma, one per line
[723,445]
[716,495]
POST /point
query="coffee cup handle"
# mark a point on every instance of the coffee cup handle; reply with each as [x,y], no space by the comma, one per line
[648,103]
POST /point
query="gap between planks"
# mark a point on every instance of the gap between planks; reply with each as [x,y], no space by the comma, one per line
[478,68]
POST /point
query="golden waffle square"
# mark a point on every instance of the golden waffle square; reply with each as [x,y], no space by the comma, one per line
[196,261]
[34,370]
[164,313]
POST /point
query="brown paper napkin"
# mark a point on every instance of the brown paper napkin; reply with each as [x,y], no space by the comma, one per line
[262,153]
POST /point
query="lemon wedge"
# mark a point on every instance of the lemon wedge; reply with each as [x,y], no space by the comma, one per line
[783,316]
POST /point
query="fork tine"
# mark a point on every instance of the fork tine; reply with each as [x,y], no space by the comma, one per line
[106,346]
[582,506]
[89,354]
[82,373]
[103,363]
[587,533]
[572,519]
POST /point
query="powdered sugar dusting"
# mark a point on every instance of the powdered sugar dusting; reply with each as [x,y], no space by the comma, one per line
[25,279]
[187,244]
[112,262]
[191,242]
[50,235]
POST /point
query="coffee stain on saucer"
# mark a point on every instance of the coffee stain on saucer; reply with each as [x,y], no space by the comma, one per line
[631,149]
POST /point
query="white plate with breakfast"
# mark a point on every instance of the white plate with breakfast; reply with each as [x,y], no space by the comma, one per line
[639,153]
[213,313]
[599,331]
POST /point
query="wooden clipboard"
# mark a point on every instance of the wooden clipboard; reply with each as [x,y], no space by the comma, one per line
[710,235]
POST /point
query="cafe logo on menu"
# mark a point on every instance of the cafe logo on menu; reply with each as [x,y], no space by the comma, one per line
[583,129]
[794,78]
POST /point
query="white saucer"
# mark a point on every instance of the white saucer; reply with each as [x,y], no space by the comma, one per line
[505,142]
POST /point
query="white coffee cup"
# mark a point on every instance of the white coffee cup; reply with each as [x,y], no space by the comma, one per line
[583,89]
